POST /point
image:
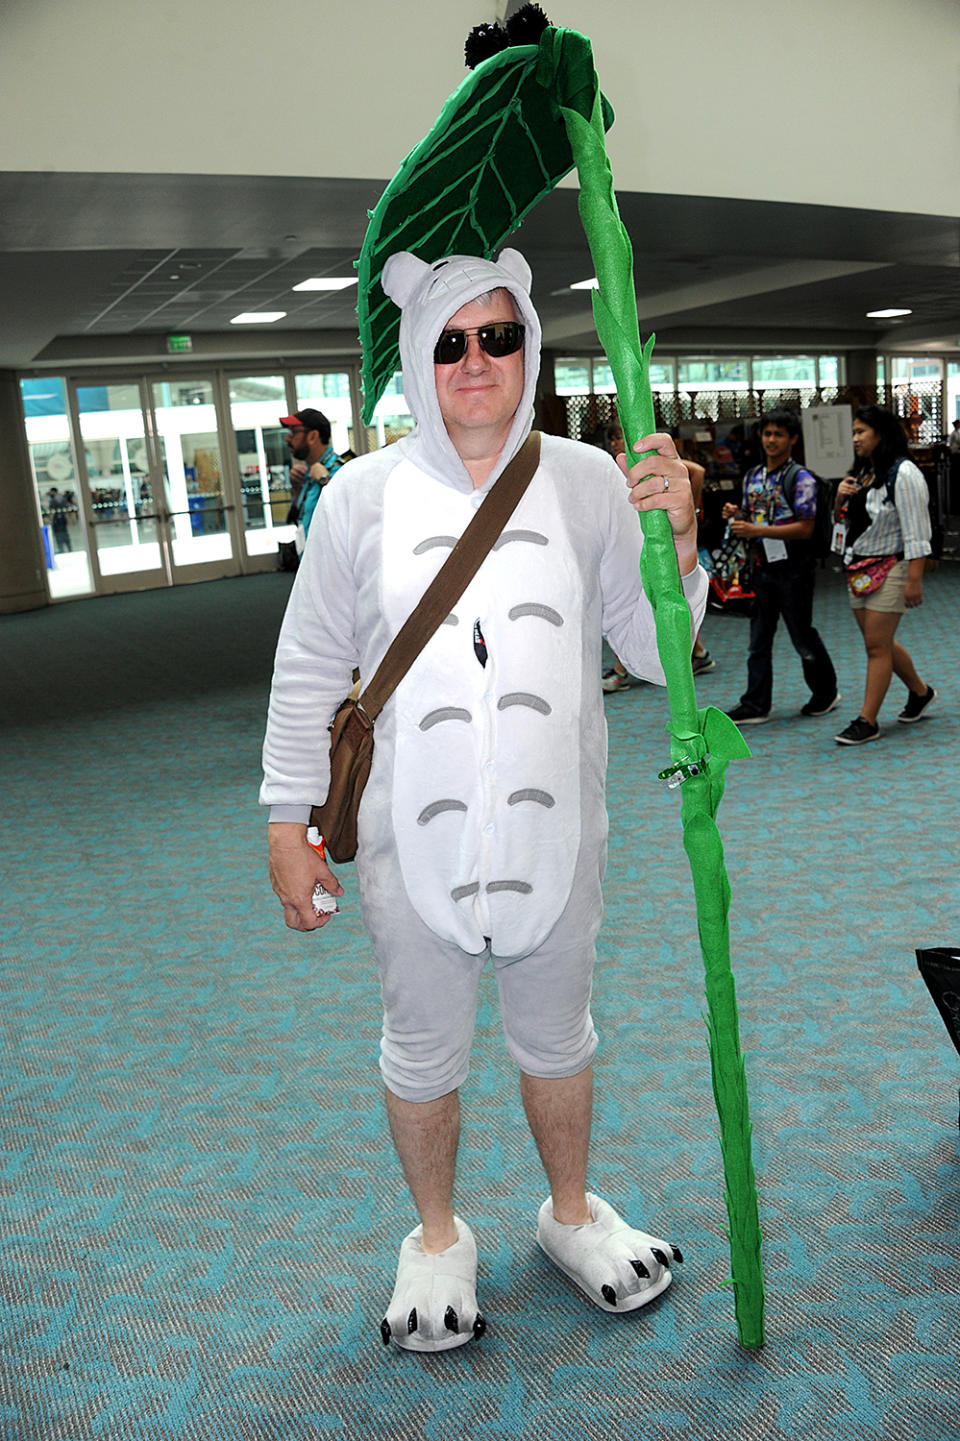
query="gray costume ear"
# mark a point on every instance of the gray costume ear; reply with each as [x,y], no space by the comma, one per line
[402,274]
[516,267]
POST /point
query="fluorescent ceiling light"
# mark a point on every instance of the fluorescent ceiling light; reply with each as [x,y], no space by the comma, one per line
[591,284]
[329,282]
[886,314]
[258,317]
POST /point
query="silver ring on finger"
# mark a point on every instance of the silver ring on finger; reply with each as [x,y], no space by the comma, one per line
[666,482]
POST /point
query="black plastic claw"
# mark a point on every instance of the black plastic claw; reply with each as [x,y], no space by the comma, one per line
[385,1332]
[609,1295]
[479,1326]
[640,1269]
[451,1320]
[412,1322]
[677,1254]
[659,1256]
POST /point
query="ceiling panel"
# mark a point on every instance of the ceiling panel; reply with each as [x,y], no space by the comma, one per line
[90,261]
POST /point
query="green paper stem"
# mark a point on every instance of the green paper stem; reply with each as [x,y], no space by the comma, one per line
[696,735]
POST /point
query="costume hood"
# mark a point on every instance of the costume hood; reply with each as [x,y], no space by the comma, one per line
[427,296]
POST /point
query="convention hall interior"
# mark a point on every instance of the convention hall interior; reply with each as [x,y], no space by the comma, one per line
[201,1207]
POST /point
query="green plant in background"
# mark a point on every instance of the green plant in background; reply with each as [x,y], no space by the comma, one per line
[518,123]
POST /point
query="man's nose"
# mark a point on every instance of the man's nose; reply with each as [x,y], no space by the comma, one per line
[476,355]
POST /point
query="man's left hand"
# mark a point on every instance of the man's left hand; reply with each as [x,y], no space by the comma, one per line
[745,529]
[660,481]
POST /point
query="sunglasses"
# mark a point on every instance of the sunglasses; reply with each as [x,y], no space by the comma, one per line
[503,338]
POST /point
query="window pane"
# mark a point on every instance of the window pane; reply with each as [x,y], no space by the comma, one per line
[62,530]
[829,370]
[784,370]
[914,367]
[391,419]
[571,375]
[329,392]
[189,436]
[661,374]
[723,372]
[603,382]
[256,405]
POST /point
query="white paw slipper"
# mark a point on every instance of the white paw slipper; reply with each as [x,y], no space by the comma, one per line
[434,1303]
[618,1267]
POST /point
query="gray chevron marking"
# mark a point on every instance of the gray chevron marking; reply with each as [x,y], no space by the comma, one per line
[542,612]
[522,697]
[437,808]
[445,713]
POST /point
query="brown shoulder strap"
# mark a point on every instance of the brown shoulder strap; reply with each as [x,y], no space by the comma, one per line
[454,576]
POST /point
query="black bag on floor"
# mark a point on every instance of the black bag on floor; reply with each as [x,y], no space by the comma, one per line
[940,969]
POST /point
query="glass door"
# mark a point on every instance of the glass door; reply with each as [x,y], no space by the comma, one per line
[124,522]
[63,531]
[197,516]
[256,404]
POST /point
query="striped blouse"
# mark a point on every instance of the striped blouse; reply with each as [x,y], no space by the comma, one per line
[903,526]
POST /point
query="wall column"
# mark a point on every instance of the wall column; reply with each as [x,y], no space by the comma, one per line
[21,553]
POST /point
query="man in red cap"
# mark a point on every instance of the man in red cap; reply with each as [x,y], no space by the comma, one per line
[314,461]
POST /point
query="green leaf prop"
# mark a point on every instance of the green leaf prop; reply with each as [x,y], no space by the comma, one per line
[513,128]
[494,151]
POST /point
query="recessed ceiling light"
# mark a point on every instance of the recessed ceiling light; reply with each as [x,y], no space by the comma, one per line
[258,317]
[591,284]
[329,282]
[886,314]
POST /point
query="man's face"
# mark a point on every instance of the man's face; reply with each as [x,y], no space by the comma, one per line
[480,392]
[777,444]
[297,439]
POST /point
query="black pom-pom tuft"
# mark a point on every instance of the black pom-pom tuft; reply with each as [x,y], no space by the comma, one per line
[527,25]
[482,42]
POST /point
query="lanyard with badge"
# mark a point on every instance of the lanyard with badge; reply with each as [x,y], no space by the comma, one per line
[773,550]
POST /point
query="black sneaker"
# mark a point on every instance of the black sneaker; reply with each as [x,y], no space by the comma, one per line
[704,662]
[917,706]
[820,707]
[858,732]
[744,717]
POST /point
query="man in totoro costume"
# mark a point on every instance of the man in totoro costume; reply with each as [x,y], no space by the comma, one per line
[482,829]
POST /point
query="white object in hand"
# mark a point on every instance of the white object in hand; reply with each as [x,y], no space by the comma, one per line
[323,902]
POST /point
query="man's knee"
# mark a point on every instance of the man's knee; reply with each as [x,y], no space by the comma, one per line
[554,1054]
[421,1068]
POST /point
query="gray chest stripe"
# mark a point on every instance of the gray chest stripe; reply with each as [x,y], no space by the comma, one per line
[445,713]
[437,808]
[532,537]
[460,893]
[524,887]
[542,612]
[522,697]
[435,540]
[542,798]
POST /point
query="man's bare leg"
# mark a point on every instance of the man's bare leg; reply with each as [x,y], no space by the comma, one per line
[559,1112]
[426,1134]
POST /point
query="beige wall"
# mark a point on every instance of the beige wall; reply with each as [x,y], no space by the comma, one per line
[848,102]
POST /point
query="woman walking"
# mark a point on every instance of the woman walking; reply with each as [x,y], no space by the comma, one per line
[885,505]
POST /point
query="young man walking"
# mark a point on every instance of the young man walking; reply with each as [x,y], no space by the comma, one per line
[777,516]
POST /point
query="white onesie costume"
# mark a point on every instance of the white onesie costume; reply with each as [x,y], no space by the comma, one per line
[483,826]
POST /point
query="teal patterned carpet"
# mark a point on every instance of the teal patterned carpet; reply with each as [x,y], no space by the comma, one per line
[199,1210]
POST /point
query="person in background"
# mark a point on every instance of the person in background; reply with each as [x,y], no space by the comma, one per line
[885,505]
[314,461]
[777,516]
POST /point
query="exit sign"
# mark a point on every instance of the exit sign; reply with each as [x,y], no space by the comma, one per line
[179,344]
